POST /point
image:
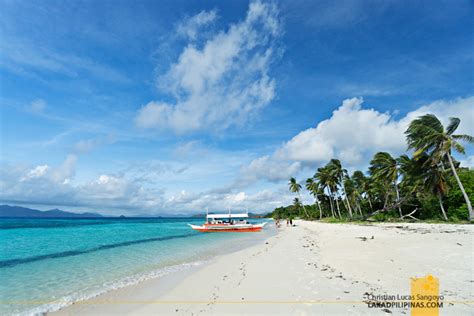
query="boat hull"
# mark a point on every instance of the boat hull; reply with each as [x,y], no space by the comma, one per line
[227,228]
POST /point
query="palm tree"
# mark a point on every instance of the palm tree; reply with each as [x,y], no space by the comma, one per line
[295,187]
[324,178]
[362,184]
[297,203]
[313,187]
[338,172]
[384,167]
[333,189]
[426,134]
[412,171]
[435,182]
[353,193]
[332,182]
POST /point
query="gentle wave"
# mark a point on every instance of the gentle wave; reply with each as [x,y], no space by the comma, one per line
[107,287]
[15,262]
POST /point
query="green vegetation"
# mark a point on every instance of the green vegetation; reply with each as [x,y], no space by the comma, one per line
[428,186]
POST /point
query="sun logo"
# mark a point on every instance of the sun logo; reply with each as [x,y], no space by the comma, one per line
[425,296]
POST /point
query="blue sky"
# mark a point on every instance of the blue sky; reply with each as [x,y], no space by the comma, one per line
[146,107]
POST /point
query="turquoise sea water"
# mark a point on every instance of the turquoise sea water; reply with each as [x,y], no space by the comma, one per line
[49,263]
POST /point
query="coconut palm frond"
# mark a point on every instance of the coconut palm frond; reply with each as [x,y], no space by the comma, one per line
[424,130]
[384,166]
[464,137]
[294,186]
[458,147]
[453,125]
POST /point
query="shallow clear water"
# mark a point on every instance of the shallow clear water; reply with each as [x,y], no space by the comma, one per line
[49,263]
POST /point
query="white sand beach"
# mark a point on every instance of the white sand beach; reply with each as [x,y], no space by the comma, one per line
[312,268]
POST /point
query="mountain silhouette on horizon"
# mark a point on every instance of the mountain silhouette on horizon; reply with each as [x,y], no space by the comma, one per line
[19,211]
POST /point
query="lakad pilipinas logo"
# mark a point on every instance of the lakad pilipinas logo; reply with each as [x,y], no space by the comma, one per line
[425,298]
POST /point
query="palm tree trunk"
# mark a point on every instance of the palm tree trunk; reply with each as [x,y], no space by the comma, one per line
[468,202]
[304,209]
[337,204]
[398,201]
[347,200]
[331,203]
[386,200]
[319,206]
[358,207]
[370,202]
[442,207]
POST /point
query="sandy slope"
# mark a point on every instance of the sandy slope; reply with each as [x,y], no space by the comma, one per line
[313,268]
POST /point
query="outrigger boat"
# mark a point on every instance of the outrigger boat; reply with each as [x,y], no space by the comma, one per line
[220,223]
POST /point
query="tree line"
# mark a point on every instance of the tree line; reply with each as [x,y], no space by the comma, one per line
[428,185]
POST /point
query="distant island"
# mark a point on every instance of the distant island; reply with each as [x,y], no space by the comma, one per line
[12,211]
[18,211]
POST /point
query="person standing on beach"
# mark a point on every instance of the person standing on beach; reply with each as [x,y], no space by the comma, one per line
[291,222]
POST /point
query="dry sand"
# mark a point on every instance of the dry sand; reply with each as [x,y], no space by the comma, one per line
[313,268]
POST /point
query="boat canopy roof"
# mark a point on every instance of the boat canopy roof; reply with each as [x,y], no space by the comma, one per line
[241,215]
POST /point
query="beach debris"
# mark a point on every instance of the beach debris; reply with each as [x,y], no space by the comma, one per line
[459,244]
[363,238]
[411,215]
[386,310]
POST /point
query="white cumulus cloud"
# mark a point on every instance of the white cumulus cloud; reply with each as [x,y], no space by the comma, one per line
[40,184]
[190,27]
[222,82]
[353,134]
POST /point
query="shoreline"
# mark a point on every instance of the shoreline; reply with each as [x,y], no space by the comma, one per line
[311,268]
[159,273]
